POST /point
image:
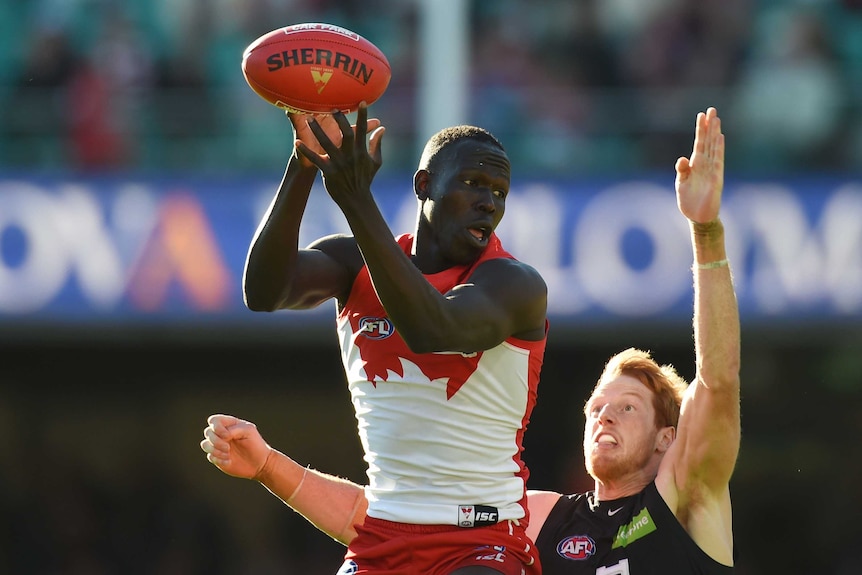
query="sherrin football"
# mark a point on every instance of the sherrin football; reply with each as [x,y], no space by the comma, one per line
[315,68]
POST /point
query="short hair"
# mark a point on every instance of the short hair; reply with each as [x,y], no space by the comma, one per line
[667,385]
[447,137]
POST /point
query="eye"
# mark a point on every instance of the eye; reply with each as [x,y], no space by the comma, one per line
[500,194]
[629,407]
[470,183]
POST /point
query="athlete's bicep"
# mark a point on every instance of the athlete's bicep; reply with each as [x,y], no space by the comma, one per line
[539,504]
[325,270]
[503,298]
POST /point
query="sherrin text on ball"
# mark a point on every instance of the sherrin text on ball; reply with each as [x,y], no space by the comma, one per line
[316,68]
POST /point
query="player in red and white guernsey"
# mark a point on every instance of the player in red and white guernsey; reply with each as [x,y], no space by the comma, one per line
[441,431]
[442,333]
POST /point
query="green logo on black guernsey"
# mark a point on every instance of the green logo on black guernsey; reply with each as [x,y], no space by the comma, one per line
[642,524]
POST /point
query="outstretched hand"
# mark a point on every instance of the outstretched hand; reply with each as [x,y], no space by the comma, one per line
[235,446]
[700,179]
[329,126]
[302,133]
[348,163]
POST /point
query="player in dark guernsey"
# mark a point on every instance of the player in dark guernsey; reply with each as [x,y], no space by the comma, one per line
[661,451]
[626,534]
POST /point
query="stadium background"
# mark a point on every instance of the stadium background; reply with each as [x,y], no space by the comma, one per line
[102,404]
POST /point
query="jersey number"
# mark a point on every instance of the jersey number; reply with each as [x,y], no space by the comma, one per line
[621,568]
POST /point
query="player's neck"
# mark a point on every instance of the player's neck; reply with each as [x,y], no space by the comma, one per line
[617,488]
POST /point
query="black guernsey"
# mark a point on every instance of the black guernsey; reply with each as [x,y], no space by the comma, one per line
[635,535]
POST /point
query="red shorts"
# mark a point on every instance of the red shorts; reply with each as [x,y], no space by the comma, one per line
[387,548]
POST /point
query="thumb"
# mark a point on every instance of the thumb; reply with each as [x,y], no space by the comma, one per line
[239,429]
[683,168]
[375,143]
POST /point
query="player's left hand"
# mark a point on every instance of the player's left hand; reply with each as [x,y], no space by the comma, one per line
[700,179]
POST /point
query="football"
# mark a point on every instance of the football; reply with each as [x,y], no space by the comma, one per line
[315,68]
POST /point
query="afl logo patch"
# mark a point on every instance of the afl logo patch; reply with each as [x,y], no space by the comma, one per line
[375,327]
[348,568]
[576,547]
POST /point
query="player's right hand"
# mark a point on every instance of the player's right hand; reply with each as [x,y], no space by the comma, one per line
[235,446]
[330,127]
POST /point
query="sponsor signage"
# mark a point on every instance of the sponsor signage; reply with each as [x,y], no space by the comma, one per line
[126,250]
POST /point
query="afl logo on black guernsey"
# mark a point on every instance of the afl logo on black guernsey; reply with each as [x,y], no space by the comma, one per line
[375,327]
[576,547]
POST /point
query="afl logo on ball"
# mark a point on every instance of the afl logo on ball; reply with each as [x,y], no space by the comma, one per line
[375,327]
[576,547]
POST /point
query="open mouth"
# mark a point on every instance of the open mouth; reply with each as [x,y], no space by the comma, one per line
[480,233]
[606,439]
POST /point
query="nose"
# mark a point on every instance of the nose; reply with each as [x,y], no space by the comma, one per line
[606,414]
[485,202]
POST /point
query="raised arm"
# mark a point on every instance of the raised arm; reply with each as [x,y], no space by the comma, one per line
[332,504]
[280,275]
[696,471]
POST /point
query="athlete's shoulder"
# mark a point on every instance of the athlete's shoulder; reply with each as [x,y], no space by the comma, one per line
[515,269]
[341,247]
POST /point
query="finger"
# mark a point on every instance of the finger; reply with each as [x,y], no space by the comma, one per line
[222,418]
[212,448]
[217,461]
[218,427]
[297,120]
[310,154]
[346,129]
[683,168]
[215,434]
[375,144]
[328,146]
[715,135]
[214,444]
[712,130]
[361,123]
[700,134]
[373,124]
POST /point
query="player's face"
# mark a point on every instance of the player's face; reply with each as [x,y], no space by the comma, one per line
[466,199]
[620,435]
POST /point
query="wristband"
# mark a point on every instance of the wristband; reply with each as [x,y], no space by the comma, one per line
[298,485]
[713,265]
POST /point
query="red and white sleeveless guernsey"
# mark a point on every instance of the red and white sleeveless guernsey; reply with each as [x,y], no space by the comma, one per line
[442,432]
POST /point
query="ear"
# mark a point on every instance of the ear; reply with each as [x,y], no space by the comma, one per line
[665,438]
[420,184]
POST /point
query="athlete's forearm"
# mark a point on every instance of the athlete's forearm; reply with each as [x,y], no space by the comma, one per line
[332,504]
[273,252]
[716,314]
[417,309]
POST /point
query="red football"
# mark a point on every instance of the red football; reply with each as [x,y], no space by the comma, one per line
[315,68]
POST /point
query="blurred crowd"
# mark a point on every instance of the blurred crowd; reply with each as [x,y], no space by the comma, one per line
[571,87]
